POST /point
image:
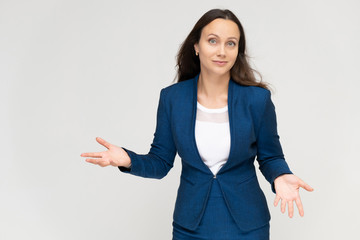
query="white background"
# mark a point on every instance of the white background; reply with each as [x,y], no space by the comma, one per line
[71,71]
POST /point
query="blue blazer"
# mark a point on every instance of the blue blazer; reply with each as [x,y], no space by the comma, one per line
[253,131]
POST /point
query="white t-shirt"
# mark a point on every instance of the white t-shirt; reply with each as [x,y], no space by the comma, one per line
[212,135]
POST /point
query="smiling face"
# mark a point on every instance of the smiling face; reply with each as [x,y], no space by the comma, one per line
[218,46]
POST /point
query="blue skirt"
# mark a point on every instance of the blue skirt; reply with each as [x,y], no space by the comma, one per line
[218,224]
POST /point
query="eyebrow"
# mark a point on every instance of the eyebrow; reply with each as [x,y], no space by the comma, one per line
[218,36]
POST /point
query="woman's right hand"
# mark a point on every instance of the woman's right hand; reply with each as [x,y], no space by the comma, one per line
[114,156]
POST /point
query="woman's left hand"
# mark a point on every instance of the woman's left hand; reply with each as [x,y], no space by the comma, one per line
[287,189]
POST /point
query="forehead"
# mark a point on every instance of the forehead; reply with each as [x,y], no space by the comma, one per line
[222,27]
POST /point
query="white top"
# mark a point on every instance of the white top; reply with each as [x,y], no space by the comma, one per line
[212,135]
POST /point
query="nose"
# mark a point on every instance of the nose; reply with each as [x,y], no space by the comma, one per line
[221,50]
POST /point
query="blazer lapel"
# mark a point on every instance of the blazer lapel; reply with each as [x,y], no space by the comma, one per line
[230,112]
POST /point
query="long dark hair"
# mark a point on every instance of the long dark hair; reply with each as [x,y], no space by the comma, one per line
[188,63]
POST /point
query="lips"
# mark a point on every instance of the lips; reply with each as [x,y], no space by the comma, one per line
[220,63]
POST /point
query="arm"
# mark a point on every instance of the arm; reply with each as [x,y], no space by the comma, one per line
[272,163]
[158,162]
[269,155]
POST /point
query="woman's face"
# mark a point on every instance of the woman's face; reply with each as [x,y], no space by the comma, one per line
[218,46]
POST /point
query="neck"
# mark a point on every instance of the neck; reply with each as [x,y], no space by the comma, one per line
[213,87]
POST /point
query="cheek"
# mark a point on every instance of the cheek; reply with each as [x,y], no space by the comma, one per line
[208,51]
[233,59]
[234,56]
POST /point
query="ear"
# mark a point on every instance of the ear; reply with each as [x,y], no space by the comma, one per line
[196,47]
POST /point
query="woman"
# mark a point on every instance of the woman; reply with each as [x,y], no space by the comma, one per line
[218,118]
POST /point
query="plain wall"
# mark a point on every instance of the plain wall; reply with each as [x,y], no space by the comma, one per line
[71,71]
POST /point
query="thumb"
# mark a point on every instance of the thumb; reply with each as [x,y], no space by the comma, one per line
[306,186]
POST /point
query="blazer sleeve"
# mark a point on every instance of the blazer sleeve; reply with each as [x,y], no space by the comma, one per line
[269,151]
[158,162]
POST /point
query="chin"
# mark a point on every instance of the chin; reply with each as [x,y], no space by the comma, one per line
[220,72]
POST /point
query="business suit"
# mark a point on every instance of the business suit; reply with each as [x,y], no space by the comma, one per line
[253,131]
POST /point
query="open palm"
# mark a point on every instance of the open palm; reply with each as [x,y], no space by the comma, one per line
[287,189]
[114,156]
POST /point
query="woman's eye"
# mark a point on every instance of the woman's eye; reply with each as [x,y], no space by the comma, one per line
[212,40]
[232,43]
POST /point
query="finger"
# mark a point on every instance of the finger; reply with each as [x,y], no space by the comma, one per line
[99,162]
[103,142]
[290,208]
[103,163]
[299,206]
[92,160]
[283,205]
[92,154]
[277,198]
[305,186]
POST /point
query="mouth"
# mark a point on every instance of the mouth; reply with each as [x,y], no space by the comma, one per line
[220,63]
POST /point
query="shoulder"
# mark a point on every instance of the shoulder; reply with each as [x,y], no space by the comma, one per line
[251,90]
[178,89]
[254,94]
[179,86]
